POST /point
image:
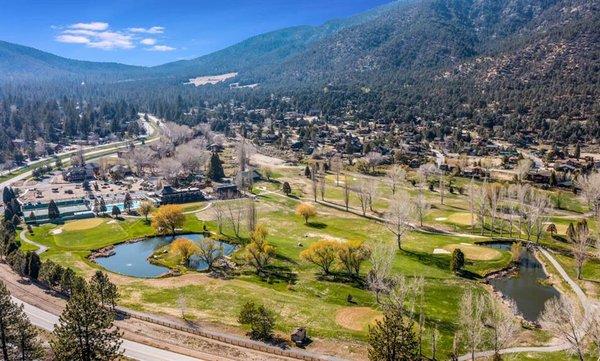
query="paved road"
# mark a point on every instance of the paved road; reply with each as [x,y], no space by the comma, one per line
[588,305]
[135,350]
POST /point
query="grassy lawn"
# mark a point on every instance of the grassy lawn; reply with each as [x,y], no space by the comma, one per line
[300,296]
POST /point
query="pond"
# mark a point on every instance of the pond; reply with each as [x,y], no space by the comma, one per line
[131,259]
[524,287]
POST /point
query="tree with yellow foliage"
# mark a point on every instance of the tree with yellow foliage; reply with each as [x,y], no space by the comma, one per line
[323,254]
[306,210]
[351,255]
[260,252]
[185,248]
[167,219]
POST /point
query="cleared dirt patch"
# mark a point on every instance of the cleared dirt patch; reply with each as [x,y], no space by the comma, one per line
[356,318]
[82,224]
[475,253]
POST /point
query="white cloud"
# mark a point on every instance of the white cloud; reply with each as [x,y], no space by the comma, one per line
[152,30]
[80,32]
[148,41]
[161,48]
[99,35]
[72,39]
[95,26]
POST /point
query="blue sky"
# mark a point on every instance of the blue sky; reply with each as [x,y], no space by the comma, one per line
[145,32]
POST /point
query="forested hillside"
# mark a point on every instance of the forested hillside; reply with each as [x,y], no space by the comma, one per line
[505,68]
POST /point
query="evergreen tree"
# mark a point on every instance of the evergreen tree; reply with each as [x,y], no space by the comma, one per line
[128,202]
[104,289]
[287,189]
[53,212]
[215,168]
[458,260]
[33,265]
[577,151]
[66,281]
[116,211]
[18,338]
[393,338]
[7,195]
[86,330]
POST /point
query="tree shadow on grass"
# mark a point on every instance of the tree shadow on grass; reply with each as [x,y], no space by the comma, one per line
[277,274]
[341,277]
[317,225]
[427,259]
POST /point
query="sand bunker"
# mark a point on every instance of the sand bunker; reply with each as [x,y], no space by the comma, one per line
[56,231]
[440,251]
[356,318]
[474,252]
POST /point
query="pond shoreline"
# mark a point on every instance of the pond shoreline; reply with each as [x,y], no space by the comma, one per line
[138,258]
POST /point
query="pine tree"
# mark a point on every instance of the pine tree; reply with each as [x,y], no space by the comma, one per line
[106,290]
[128,202]
[215,168]
[393,338]
[8,195]
[577,151]
[53,212]
[18,338]
[86,330]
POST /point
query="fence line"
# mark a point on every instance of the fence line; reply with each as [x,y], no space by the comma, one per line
[231,339]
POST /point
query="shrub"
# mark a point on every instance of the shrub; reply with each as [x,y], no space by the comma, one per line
[260,319]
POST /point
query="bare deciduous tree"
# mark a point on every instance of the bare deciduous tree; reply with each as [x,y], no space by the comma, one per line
[176,133]
[590,188]
[580,248]
[400,213]
[395,177]
[336,167]
[372,193]
[234,213]
[501,323]
[523,167]
[565,321]
[378,278]
[219,213]
[169,169]
[209,251]
[362,193]
[140,158]
[244,150]
[192,156]
[373,159]
[252,216]
[470,319]
[472,191]
[346,192]
[422,207]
